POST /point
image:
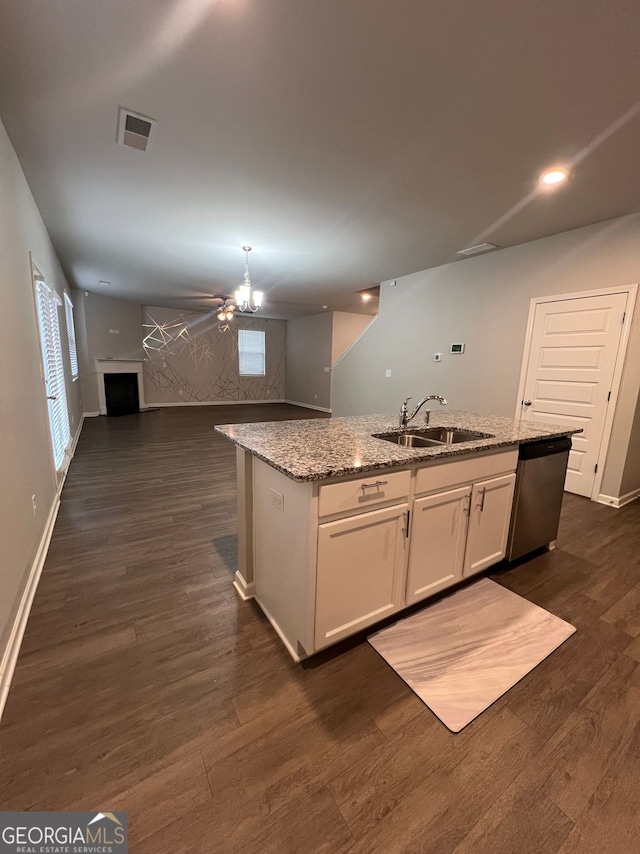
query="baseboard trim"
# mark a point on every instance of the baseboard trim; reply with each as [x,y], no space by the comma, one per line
[10,656]
[151,405]
[70,453]
[91,414]
[294,655]
[620,501]
[307,406]
[245,590]
[74,443]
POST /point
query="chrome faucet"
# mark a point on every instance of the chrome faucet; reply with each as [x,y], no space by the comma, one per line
[405,418]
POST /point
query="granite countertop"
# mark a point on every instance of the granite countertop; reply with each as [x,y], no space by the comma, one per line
[330,447]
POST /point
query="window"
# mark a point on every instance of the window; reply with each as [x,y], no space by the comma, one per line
[71,337]
[251,353]
[47,303]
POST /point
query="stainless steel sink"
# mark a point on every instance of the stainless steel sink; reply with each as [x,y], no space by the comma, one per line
[452,435]
[431,437]
[412,440]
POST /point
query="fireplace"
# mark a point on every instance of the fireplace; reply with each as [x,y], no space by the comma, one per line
[121,394]
[108,372]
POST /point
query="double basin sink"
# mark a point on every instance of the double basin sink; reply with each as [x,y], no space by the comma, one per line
[431,437]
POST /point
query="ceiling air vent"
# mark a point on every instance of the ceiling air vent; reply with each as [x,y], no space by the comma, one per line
[134,129]
[476,250]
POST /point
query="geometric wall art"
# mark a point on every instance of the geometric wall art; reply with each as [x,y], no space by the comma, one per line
[187,360]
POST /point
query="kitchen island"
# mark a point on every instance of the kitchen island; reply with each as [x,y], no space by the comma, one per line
[339,526]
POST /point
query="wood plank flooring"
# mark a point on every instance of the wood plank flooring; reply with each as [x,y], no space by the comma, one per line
[145,685]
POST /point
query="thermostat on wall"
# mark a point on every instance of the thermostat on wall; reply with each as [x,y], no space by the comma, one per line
[457,348]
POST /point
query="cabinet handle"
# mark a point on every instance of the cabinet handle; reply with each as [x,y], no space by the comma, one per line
[483,492]
[373,485]
[407,516]
[467,507]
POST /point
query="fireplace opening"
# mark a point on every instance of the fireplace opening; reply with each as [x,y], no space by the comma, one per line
[121,393]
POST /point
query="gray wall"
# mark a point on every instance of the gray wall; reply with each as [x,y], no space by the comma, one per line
[631,474]
[346,328]
[308,353]
[104,314]
[200,365]
[27,462]
[97,317]
[484,302]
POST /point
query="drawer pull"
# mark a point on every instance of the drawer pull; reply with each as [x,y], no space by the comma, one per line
[376,483]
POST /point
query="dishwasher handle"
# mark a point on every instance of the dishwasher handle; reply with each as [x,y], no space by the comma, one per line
[534,450]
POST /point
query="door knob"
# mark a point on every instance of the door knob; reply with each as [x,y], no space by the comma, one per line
[526,403]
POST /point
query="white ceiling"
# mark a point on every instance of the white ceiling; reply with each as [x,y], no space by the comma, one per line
[347,141]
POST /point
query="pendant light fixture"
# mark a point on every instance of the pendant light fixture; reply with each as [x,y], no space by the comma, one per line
[226,310]
[246,300]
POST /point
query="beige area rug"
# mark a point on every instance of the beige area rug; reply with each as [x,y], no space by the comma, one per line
[462,653]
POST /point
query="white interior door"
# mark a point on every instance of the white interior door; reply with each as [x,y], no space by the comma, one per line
[574,346]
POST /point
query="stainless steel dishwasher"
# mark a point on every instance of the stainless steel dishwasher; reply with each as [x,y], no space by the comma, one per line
[542,467]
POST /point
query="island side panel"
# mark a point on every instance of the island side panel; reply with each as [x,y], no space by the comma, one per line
[244,577]
[284,537]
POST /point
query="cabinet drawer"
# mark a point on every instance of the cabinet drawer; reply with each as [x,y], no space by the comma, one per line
[443,475]
[363,493]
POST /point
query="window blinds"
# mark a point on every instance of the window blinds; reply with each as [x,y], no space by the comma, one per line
[47,303]
[71,337]
[251,353]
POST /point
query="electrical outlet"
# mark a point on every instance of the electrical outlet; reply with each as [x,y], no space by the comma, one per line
[277,499]
[387,373]
[315,396]
[34,505]
[437,357]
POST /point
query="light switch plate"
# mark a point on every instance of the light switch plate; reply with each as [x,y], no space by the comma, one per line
[387,373]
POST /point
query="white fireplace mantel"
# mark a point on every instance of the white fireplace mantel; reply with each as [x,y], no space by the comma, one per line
[117,366]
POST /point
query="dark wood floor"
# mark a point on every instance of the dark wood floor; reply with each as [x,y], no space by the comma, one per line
[144,684]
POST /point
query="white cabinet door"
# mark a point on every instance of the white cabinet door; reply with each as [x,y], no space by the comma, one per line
[360,572]
[438,536]
[491,502]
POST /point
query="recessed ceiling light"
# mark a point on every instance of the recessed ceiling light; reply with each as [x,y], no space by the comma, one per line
[365,297]
[325,306]
[104,284]
[554,176]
